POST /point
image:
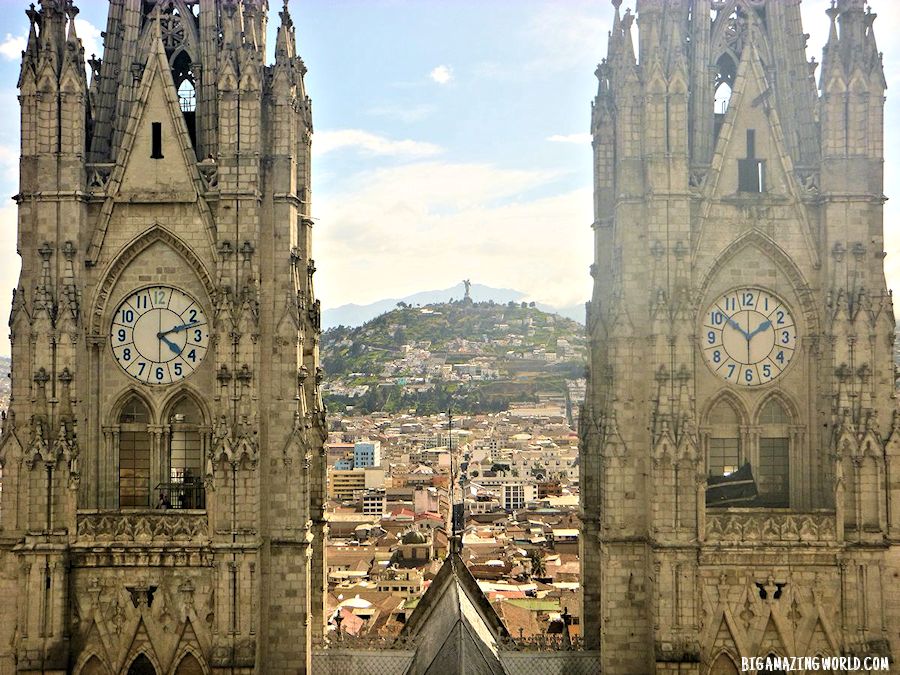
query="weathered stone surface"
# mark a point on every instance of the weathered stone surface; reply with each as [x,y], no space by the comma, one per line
[213,202]
[779,192]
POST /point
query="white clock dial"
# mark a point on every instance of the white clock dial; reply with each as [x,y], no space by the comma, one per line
[159,335]
[748,336]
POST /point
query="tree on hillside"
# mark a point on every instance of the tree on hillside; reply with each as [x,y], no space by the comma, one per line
[538,569]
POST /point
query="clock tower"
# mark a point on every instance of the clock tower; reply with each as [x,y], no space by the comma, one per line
[740,442]
[162,455]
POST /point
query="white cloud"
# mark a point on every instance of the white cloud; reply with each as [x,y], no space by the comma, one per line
[9,164]
[580,139]
[12,46]
[562,36]
[372,144]
[90,37]
[9,270]
[404,113]
[421,225]
[442,74]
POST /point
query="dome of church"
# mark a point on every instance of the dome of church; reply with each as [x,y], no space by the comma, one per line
[414,537]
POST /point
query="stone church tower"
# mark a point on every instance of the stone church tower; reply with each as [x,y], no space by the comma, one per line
[162,456]
[741,448]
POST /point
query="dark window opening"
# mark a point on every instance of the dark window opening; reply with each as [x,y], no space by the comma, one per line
[724,443]
[156,141]
[185,489]
[751,170]
[724,456]
[186,85]
[141,666]
[774,473]
[134,456]
[726,71]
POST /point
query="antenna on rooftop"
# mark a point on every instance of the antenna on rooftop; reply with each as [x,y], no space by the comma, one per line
[456,509]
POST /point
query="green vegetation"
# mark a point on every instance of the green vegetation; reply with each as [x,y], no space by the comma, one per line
[415,358]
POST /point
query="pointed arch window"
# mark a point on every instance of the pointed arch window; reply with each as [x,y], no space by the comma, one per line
[94,667]
[141,666]
[187,97]
[775,660]
[723,665]
[773,468]
[726,71]
[185,456]
[724,456]
[134,455]
[722,98]
[189,665]
[186,86]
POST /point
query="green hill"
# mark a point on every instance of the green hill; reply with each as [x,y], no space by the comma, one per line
[476,356]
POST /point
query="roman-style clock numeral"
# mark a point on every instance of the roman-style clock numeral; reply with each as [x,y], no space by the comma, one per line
[159,335]
[748,336]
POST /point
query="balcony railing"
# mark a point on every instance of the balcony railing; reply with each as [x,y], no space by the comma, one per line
[180,496]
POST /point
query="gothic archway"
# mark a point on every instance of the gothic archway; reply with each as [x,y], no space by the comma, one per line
[141,666]
[127,255]
[723,665]
[93,666]
[190,665]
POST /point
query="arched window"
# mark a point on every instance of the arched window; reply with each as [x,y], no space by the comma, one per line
[723,97]
[94,667]
[189,665]
[141,666]
[134,455]
[723,665]
[186,85]
[187,97]
[726,71]
[185,455]
[724,440]
[773,468]
[774,659]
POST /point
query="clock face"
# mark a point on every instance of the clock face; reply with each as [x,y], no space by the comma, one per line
[748,337]
[159,335]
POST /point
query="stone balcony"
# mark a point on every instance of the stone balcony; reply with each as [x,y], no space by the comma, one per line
[755,526]
[168,538]
[142,527]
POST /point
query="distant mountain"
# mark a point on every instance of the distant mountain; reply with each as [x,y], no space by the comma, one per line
[357,315]
[476,356]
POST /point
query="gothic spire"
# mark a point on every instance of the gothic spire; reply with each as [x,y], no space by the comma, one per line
[615,35]
[285,44]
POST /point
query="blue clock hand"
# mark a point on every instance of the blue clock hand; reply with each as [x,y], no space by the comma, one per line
[734,324]
[765,325]
[171,345]
[178,329]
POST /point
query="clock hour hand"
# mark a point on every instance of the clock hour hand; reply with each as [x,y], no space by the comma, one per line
[171,345]
[734,324]
[765,325]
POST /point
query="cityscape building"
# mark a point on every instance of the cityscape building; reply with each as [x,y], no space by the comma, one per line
[366,453]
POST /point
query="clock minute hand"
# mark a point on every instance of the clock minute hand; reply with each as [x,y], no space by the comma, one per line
[178,329]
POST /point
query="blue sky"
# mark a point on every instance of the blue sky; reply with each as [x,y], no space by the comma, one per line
[451,139]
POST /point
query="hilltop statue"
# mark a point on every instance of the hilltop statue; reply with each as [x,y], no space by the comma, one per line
[468,284]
